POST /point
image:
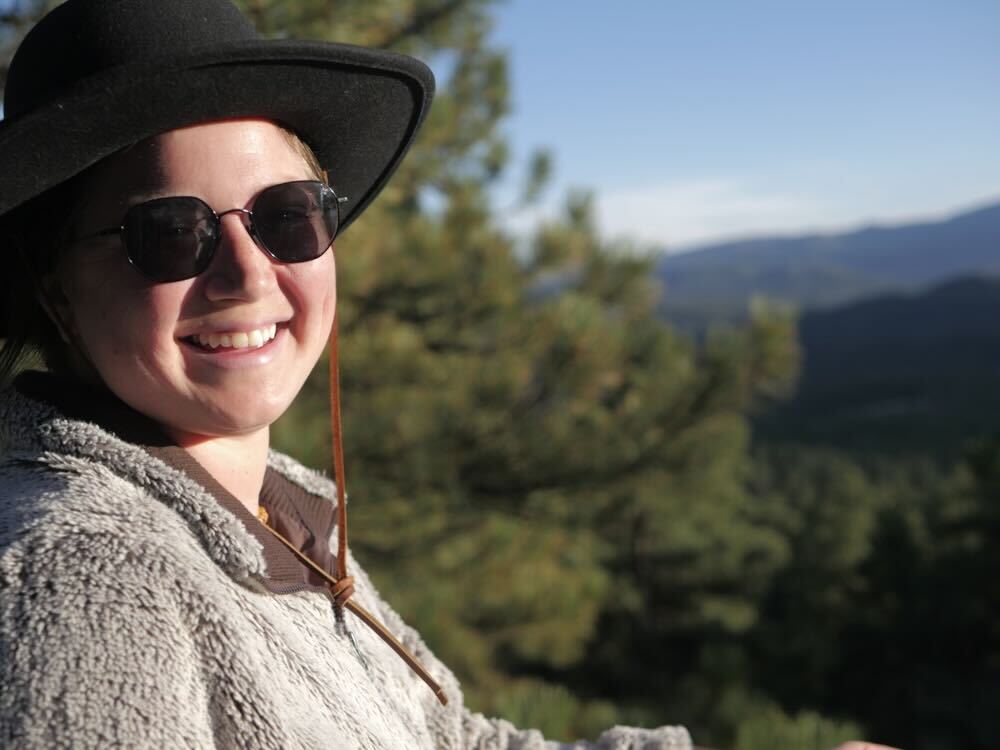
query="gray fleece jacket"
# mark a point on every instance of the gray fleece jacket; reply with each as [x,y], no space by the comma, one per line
[132,615]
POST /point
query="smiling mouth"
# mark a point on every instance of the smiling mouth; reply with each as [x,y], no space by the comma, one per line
[233,340]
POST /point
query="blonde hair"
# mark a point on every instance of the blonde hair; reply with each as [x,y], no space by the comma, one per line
[305,151]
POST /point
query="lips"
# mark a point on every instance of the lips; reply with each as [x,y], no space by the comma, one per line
[233,340]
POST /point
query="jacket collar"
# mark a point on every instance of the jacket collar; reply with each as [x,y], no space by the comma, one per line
[45,413]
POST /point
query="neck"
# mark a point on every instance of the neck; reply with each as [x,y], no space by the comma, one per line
[236,462]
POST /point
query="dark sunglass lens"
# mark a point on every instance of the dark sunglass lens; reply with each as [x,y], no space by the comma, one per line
[170,239]
[296,221]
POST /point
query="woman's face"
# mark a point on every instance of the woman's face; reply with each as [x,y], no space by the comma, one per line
[140,336]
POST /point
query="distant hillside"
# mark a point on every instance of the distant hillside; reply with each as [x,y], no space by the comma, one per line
[917,372]
[821,271]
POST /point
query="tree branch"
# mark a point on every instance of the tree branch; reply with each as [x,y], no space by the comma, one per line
[421,21]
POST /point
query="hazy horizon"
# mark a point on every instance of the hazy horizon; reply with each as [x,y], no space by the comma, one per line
[842,229]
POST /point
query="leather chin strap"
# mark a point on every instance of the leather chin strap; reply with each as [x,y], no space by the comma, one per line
[342,585]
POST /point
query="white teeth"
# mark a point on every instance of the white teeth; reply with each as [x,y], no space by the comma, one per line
[238,339]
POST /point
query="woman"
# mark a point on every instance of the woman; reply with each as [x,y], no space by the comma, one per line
[165,579]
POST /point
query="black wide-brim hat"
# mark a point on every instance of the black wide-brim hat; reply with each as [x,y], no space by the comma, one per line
[95,76]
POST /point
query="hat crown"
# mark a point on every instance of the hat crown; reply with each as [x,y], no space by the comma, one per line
[81,38]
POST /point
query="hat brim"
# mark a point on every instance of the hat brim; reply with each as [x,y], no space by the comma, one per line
[359,109]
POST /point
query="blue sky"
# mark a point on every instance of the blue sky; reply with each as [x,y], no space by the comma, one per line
[695,120]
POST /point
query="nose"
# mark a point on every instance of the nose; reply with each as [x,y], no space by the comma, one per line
[239,269]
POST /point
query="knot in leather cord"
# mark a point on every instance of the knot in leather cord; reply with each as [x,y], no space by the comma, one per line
[341,585]
[342,590]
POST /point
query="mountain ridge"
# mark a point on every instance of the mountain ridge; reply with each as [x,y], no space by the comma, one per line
[825,270]
[904,371]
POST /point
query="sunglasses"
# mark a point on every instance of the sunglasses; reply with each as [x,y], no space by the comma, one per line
[175,238]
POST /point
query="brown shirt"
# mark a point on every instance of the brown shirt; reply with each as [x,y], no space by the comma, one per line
[304,519]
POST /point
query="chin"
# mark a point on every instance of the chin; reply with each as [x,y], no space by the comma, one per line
[219,425]
[245,418]
[237,413]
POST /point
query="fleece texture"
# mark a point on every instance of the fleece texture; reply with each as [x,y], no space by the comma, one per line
[132,614]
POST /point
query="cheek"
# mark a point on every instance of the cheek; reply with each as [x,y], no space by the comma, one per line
[134,322]
[315,292]
[329,284]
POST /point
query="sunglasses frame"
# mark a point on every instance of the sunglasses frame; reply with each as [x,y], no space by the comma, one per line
[249,225]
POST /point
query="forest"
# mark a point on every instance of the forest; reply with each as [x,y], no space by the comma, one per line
[572,498]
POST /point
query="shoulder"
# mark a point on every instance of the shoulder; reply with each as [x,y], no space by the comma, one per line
[64,475]
[75,503]
[64,493]
[63,517]
[84,559]
[95,611]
